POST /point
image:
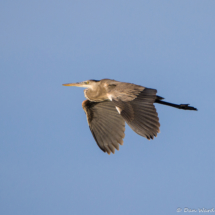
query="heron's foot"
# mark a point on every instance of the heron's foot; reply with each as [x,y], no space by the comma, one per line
[186,107]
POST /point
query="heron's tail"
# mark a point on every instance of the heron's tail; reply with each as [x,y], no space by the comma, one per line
[181,106]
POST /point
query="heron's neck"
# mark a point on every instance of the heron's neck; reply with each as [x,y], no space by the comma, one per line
[96,95]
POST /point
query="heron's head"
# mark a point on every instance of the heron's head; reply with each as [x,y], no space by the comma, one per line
[92,84]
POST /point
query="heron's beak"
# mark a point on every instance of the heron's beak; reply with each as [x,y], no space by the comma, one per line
[73,85]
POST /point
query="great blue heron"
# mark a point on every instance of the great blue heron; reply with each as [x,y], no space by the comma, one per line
[111,103]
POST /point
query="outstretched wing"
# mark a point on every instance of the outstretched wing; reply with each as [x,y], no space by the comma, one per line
[106,125]
[140,113]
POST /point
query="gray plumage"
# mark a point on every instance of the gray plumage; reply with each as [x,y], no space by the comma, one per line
[105,123]
[111,103]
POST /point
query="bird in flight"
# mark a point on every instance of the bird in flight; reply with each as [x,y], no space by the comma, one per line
[111,103]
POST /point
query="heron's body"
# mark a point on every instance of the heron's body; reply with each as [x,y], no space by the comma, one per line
[111,103]
[106,89]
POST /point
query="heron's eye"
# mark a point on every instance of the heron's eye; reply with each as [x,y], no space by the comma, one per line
[86,82]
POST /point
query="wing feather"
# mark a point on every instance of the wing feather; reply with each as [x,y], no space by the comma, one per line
[106,124]
[140,113]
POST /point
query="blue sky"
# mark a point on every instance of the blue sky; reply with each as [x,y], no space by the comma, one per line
[49,161]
